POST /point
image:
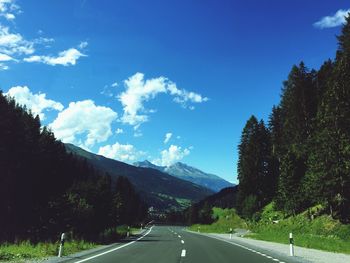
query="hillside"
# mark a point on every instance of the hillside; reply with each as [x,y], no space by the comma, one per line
[189,173]
[158,189]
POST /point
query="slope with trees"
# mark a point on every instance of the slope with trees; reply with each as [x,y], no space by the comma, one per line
[45,191]
[302,158]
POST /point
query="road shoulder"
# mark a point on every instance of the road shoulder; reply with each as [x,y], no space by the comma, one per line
[302,254]
[91,252]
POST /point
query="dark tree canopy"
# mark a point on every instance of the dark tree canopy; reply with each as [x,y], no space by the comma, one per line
[309,142]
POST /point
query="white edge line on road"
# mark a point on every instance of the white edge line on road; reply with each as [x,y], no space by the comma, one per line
[183,253]
[114,249]
[241,246]
[183,242]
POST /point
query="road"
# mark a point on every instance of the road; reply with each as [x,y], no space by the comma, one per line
[170,244]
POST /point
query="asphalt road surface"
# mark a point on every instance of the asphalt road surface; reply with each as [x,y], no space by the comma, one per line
[170,244]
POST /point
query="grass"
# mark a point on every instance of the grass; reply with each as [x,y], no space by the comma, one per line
[225,219]
[322,232]
[25,250]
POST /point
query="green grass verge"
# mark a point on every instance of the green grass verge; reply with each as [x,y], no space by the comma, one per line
[26,251]
[225,219]
[321,233]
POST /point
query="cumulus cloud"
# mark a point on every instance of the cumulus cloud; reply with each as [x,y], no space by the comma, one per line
[84,123]
[138,91]
[122,152]
[65,58]
[172,155]
[37,103]
[335,20]
[167,137]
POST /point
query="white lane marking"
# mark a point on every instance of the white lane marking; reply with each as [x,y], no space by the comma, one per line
[175,233]
[114,249]
[179,236]
[183,253]
[183,242]
[241,246]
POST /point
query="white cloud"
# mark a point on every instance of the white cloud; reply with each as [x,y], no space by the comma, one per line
[83,45]
[109,90]
[138,91]
[14,43]
[119,131]
[8,8]
[3,66]
[37,103]
[64,58]
[122,152]
[335,20]
[183,96]
[4,57]
[84,123]
[16,46]
[172,155]
[167,137]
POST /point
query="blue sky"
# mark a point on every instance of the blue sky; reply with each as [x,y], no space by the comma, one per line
[160,80]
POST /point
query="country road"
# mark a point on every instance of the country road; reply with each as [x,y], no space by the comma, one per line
[170,244]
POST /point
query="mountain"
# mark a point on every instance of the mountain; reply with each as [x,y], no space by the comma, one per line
[189,173]
[158,189]
[226,198]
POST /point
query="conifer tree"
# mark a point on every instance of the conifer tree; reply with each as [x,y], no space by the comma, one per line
[329,166]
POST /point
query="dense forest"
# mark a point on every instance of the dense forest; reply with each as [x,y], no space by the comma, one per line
[301,158]
[45,191]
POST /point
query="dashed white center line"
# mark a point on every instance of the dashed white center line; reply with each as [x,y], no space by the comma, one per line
[183,242]
[183,253]
[179,236]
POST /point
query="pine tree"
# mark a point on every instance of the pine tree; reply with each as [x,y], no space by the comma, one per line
[254,175]
[298,110]
[329,163]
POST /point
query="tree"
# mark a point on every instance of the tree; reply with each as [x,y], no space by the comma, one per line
[253,165]
[330,157]
[298,109]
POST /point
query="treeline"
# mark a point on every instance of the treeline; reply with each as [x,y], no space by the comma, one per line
[202,212]
[45,191]
[302,156]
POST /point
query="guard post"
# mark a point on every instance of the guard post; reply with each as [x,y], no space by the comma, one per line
[291,245]
[63,239]
[231,231]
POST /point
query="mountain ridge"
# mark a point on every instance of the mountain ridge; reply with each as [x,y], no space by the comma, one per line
[158,189]
[189,173]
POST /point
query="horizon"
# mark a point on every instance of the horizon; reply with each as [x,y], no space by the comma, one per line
[153,81]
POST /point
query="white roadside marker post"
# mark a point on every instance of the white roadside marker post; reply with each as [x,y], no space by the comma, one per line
[63,238]
[291,245]
[128,233]
[231,233]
